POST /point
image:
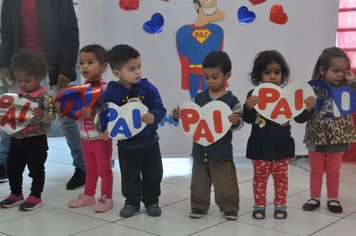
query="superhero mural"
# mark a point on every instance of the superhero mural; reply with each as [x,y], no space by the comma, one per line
[195,41]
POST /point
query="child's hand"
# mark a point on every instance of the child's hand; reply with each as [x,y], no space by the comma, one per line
[104,136]
[350,76]
[148,118]
[234,118]
[251,102]
[37,113]
[88,112]
[310,103]
[57,108]
[176,113]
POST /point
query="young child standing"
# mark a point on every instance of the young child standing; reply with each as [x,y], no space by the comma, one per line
[139,156]
[328,137]
[214,164]
[270,145]
[96,151]
[29,145]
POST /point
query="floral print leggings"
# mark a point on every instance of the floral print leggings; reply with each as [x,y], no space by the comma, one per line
[279,171]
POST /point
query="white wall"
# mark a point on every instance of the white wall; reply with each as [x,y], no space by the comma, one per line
[311,28]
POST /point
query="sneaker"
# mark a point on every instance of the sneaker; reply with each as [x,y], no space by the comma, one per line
[311,205]
[334,206]
[77,181]
[82,201]
[196,213]
[31,203]
[128,210]
[154,210]
[230,215]
[104,204]
[11,201]
[3,173]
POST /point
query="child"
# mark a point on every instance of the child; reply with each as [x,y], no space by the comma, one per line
[97,152]
[270,145]
[29,145]
[327,138]
[214,164]
[139,156]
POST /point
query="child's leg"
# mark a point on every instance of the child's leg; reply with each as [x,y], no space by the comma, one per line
[36,154]
[91,177]
[332,169]
[261,171]
[223,175]
[200,186]
[103,153]
[317,168]
[16,164]
[152,172]
[279,171]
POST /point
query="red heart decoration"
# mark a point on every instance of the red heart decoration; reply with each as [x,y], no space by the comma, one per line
[255,2]
[72,99]
[129,5]
[278,15]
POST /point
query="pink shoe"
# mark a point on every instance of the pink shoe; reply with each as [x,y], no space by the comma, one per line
[104,204]
[82,201]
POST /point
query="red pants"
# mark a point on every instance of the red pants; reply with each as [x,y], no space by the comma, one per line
[328,163]
[279,171]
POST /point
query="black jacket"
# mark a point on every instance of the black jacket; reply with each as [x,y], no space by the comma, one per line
[269,140]
[58,30]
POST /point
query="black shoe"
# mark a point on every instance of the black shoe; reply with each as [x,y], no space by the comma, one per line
[196,213]
[335,207]
[3,173]
[230,215]
[77,181]
[311,205]
[154,210]
[128,210]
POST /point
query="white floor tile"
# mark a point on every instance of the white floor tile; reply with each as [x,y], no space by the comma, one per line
[344,227]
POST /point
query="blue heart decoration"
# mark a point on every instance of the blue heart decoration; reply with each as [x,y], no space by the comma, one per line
[155,25]
[245,16]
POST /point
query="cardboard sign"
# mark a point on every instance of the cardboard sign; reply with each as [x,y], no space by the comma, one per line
[282,104]
[343,98]
[205,125]
[121,122]
[74,98]
[15,113]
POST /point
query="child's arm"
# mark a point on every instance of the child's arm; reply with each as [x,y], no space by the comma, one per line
[156,108]
[308,111]
[249,113]
[236,117]
[176,114]
[45,112]
[350,78]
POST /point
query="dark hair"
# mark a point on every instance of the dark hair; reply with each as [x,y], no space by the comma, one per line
[218,59]
[119,55]
[197,2]
[97,50]
[325,60]
[31,63]
[262,60]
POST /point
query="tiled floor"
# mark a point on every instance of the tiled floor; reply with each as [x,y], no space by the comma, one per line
[55,218]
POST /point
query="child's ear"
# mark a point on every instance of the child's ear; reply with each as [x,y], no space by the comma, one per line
[116,73]
[322,70]
[228,75]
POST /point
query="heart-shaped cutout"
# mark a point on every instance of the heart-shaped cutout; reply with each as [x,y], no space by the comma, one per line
[15,112]
[205,125]
[121,122]
[277,15]
[129,5]
[74,98]
[155,25]
[282,104]
[245,16]
[255,2]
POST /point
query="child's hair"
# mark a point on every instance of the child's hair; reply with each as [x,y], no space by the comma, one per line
[119,55]
[325,60]
[31,63]
[262,60]
[97,50]
[218,59]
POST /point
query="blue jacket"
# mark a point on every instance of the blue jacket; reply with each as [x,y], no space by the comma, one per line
[146,93]
[221,149]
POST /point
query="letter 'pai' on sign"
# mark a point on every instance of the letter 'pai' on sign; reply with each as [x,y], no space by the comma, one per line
[205,125]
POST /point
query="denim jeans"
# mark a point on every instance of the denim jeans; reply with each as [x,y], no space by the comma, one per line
[4,139]
[71,133]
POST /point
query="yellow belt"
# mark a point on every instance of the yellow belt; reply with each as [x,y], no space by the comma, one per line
[195,66]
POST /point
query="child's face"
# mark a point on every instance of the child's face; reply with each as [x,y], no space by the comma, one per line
[272,74]
[215,79]
[26,82]
[90,68]
[130,73]
[335,74]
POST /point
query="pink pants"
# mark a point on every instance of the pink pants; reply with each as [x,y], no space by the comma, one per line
[329,163]
[279,171]
[97,155]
